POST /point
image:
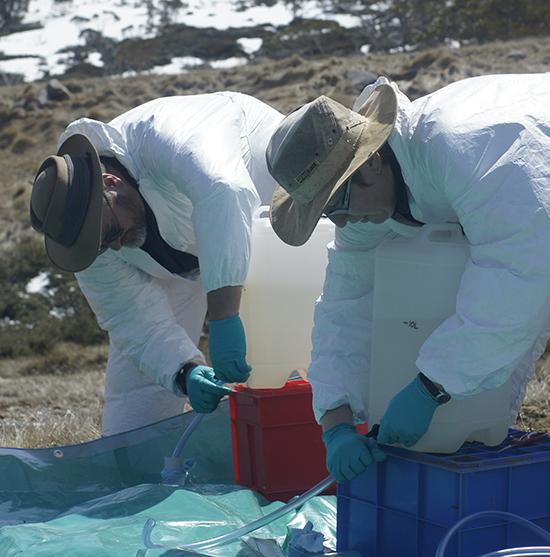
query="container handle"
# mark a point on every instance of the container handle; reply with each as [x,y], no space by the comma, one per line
[448,233]
[262,212]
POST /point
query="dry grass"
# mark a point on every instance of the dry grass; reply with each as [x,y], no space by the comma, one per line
[50,428]
[52,401]
[46,408]
[57,398]
[535,412]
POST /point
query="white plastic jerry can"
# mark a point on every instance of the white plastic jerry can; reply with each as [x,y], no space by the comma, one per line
[415,286]
[278,300]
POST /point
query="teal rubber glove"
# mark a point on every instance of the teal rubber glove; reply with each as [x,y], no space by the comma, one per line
[203,390]
[408,415]
[349,453]
[227,348]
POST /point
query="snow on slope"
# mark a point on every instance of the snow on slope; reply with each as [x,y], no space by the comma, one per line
[37,52]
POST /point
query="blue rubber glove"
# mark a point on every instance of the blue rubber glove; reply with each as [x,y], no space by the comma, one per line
[408,415]
[203,390]
[227,348]
[349,453]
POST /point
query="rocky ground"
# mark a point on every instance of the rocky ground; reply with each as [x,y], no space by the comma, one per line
[68,383]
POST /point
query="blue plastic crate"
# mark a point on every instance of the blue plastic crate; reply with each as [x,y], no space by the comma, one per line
[405,505]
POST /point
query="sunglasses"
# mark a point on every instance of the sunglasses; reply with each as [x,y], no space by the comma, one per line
[340,206]
[114,233]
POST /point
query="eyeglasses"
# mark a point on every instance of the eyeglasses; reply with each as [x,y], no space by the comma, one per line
[113,233]
[341,205]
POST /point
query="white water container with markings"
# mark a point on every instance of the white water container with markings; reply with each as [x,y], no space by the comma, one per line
[415,286]
[278,300]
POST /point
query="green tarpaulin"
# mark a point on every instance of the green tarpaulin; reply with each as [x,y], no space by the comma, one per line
[93,499]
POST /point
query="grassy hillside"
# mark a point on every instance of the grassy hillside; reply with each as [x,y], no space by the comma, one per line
[51,342]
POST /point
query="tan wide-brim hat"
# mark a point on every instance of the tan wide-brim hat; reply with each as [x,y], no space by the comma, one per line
[66,203]
[315,150]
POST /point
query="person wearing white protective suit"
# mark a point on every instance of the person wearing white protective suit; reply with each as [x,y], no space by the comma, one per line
[476,152]
[153,212]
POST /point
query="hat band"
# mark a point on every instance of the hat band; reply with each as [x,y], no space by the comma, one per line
[78,199]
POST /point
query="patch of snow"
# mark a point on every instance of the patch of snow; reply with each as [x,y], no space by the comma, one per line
[401,49]
[60,313]
[222,14]
[7,322]
[94,58]
[348,21]
[381,6]
[452,44]
[178,64]
[250,45]
[64,22]
[28,67]
[38,284]
[232,62]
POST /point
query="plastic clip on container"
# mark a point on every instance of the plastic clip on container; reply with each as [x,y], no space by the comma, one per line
[278,299]
[415,286]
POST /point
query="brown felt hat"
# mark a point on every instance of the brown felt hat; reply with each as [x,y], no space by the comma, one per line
[315,150]
[66,203]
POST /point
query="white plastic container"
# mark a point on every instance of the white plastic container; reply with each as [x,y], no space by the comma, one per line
[278,300]
[415,287]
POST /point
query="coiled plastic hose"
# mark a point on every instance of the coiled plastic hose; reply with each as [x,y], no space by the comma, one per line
[172,471]
[504,552]
[243,530]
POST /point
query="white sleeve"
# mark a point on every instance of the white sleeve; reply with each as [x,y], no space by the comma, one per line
[500,193]
[132,307]
[222,222]
[206,165]
[339,369]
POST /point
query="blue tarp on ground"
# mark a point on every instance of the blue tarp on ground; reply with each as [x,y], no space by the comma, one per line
[93,499]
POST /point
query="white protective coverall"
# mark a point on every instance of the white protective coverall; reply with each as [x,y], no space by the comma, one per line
[476,152]
[200,164]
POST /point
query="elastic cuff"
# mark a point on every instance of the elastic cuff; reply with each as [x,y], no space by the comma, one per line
[181,376]
[225,320]
[330,433]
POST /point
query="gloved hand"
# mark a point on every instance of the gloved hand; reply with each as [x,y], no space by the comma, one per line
[348,452]
[202,389]
[408,415]
[227,348]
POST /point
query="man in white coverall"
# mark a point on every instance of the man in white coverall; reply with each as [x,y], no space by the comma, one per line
[135,207]
[476,152]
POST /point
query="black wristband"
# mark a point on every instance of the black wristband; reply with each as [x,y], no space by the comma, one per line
[181,377]
[437,392]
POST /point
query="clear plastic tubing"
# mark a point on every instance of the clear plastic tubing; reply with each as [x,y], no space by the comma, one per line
[173,468]
[243,530]
[504,552]
[520,551]
[186,434]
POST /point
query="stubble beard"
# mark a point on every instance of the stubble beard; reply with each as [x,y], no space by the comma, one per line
[135,237]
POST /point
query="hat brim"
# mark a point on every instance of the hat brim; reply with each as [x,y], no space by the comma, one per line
[82,253]
[294,222]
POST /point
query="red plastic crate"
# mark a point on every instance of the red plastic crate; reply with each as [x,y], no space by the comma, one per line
[278,450]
